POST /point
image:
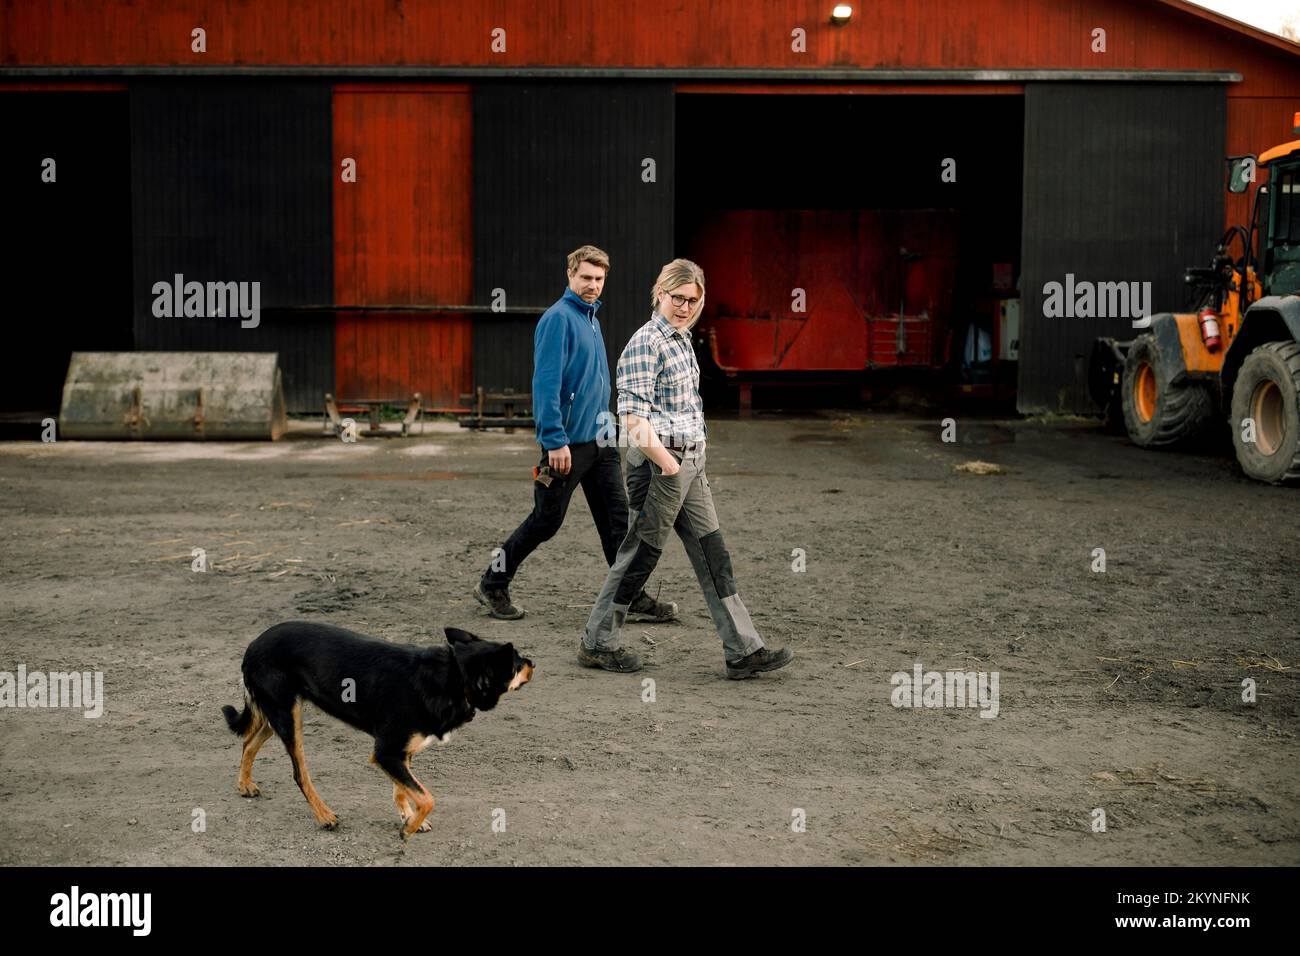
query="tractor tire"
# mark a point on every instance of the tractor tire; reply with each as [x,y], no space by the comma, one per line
[1156,412]
[1267,391]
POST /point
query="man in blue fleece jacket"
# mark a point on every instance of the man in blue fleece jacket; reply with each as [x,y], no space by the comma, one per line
[570,392]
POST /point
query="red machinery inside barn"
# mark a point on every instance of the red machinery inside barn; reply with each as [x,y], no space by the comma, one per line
[877,288]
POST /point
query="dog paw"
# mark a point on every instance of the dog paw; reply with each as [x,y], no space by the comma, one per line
[407,832]
[250,790]
[331,822]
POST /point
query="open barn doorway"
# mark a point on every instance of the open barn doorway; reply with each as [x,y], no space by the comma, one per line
[66,264]
[862,242]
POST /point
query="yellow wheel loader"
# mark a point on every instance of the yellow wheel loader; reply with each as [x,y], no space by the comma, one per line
[1238,354]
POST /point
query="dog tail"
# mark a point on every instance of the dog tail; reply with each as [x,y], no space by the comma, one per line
[238,722]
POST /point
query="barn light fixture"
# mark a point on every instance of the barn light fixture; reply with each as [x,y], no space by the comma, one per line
[841,13]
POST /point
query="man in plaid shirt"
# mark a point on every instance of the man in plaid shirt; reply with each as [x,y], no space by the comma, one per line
[658,382]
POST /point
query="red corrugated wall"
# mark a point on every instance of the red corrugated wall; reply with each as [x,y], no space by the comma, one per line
[403,236]
[999,34]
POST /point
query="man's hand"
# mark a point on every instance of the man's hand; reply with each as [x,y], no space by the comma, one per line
[560,460]
[671,467]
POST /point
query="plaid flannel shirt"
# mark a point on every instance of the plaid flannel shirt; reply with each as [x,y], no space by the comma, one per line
[658,379]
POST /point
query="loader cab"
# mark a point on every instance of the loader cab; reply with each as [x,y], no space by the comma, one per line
[1280,232]
[1281,229]
[1275,214]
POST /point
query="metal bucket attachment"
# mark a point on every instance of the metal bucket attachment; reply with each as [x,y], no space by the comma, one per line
[167,395]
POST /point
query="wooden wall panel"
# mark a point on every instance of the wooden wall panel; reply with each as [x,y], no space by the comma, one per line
[557,166]
[230,182]
[403,236]
[1126,201]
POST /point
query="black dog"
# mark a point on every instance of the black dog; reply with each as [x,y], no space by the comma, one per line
[404,697]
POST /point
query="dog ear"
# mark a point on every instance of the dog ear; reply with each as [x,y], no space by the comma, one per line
[506,652]
[456,636]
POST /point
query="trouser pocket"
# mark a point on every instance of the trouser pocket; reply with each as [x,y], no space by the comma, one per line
[655,469]
[663,502]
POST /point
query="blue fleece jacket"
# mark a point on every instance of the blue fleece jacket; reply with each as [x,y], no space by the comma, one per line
[570,373]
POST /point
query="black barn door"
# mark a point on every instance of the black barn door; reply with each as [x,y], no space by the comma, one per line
[1124,182]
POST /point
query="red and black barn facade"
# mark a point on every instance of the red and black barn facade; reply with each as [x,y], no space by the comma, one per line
[482,157]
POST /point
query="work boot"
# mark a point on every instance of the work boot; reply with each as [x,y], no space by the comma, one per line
[619,660]
[497,601]
[757,662]
[647,609]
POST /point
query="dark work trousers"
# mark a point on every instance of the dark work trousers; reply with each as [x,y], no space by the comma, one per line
[662,503]
[600,473]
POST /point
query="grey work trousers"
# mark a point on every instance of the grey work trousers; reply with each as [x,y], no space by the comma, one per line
[682,503]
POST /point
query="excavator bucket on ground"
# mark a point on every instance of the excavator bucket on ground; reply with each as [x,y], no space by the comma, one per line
[173,395]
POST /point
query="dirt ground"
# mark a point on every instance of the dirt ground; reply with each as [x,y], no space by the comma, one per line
[1119,691]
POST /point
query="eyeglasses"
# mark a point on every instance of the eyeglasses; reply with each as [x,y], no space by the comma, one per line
[681,300]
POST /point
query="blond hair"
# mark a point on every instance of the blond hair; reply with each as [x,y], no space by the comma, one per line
[597,257]
[678,273]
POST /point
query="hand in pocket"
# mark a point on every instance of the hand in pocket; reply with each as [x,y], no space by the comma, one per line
[674,466]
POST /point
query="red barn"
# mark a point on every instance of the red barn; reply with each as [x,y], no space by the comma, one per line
[902,167]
